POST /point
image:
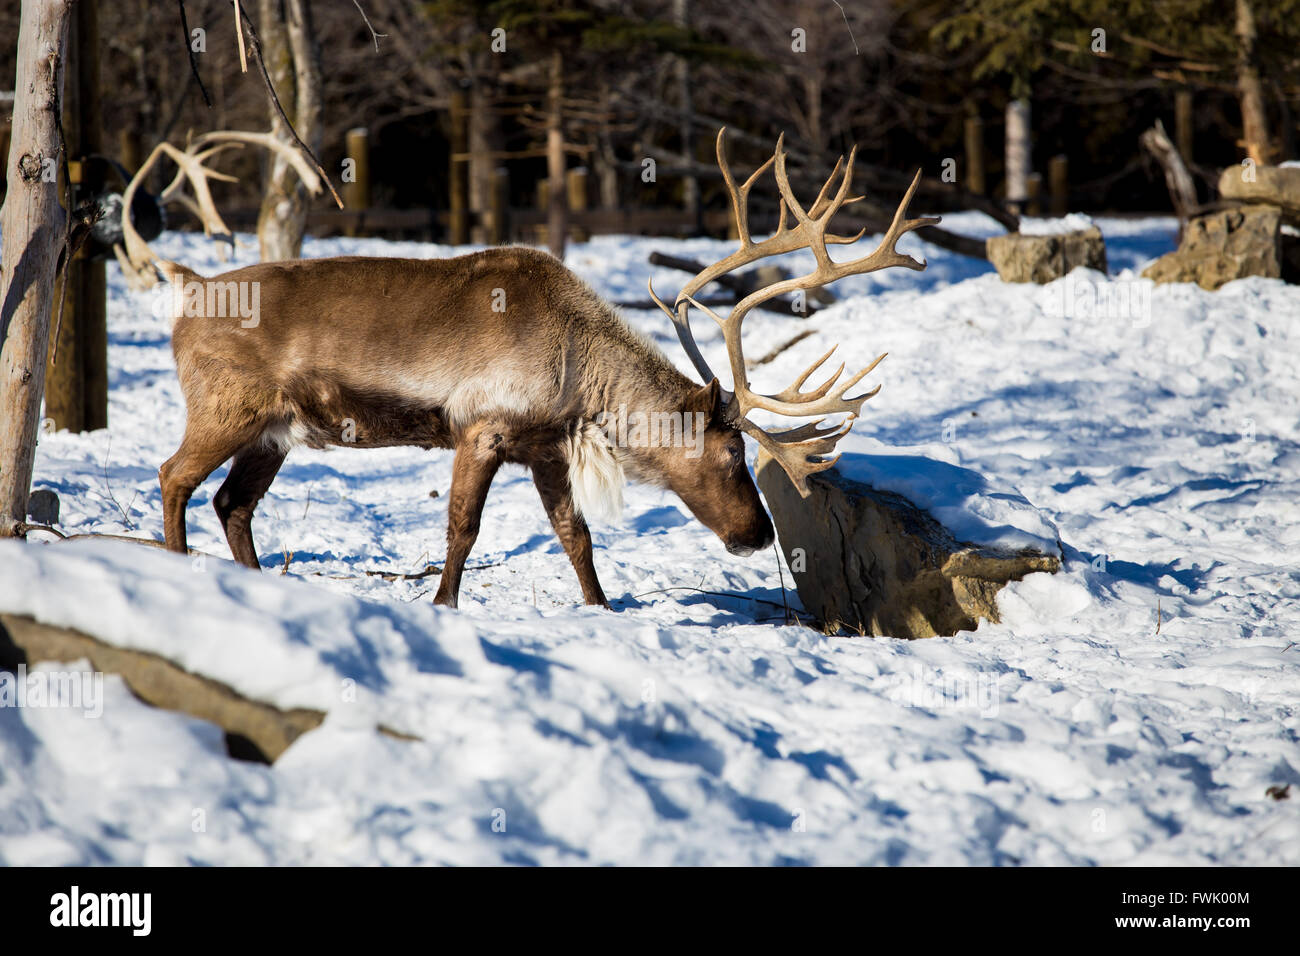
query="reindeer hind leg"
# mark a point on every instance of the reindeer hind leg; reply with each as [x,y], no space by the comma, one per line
[200,454]
[254,468]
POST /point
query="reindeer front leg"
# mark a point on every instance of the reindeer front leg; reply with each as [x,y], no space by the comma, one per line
[551,476]
[478,457]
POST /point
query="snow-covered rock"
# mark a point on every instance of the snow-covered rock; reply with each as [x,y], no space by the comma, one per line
[1225,245]
[1047,256]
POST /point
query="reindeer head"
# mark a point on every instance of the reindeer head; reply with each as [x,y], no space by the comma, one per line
[717,497]
[704,465]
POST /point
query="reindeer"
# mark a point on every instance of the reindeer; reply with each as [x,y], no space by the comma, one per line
[504,356]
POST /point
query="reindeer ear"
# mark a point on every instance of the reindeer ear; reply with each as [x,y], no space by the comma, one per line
[706,399]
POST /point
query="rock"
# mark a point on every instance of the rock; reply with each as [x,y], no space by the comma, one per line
[1041,259]
[1273,186]
[43,506]
[1221,246]
[874,562]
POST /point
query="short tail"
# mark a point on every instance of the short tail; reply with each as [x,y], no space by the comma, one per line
[171,271]
[174,277]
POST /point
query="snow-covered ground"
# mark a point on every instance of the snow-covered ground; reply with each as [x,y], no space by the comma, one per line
[1132,709]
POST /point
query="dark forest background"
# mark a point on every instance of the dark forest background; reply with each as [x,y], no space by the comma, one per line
[656,78]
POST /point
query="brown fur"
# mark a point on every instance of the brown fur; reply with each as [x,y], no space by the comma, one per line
[411,352]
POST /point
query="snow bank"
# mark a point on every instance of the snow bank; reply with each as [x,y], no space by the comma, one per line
[971,506]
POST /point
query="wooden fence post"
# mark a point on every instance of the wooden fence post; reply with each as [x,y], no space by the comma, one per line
[128,149]
[499,225]
[1058,177]
[576,187]
[76,382]
[544,207]
[1019,153]
[975,181]
[458,183]
[1184,124]
[64,396]
[356,194]
[1035,187]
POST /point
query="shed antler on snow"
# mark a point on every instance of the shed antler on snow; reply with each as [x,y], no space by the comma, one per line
[137,259]
[794,449]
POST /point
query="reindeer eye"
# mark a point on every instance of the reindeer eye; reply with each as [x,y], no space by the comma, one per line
[737,456]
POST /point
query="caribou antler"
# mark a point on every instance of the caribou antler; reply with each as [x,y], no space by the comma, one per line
[137,259]
[794,449]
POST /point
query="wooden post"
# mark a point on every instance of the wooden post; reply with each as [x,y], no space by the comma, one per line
[65,402]
[686,125]
[32,223]
[481,125]
[76,383]
[1019,161]
[576,186]
[92,282]
[543,206]
[499,226]
[1034,186]
[128,149]
[557,209]
[1184,124]
[498,210]
[76,376]
[1058,177]
[458,183]
[975,181]
[356,194]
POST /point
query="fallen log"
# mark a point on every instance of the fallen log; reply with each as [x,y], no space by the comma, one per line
[742,284]
[962,245]
[254,730]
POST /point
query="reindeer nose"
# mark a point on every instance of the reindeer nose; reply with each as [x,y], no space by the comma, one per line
[745,548]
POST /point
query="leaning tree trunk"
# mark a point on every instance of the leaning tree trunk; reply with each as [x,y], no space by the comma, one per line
[32,229]
[1019,154]
[557,214]
[1250,89]
[1182,189]
[293,62]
